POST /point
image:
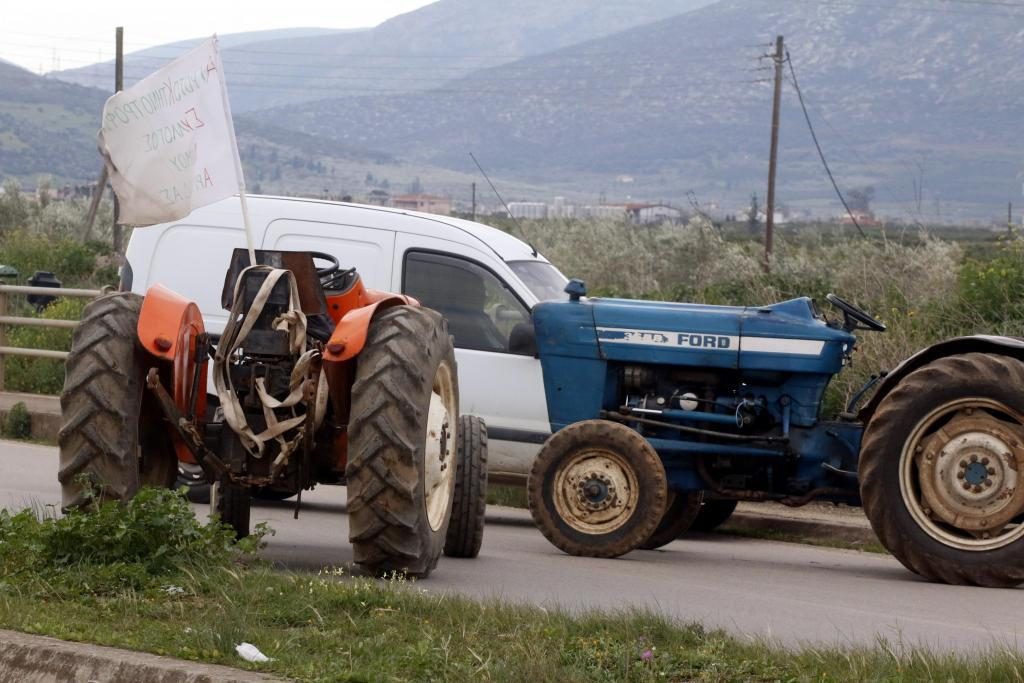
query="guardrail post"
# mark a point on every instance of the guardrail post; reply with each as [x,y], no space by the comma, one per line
[3,335]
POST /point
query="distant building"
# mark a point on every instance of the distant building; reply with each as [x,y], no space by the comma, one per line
[378,197]
[865,219]
[530,210]
[613,211]
[426,203]
[648,214]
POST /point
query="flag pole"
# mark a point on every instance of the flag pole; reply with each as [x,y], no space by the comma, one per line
[234,149]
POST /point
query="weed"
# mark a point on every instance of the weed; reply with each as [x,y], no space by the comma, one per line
[17,423]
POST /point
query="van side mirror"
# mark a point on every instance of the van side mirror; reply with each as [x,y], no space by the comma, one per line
[522,340]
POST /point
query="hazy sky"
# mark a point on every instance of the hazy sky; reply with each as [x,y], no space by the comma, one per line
[44,35]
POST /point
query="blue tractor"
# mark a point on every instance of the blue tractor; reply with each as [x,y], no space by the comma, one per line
[657,408]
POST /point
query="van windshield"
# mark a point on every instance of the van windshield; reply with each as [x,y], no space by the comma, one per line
[543,279]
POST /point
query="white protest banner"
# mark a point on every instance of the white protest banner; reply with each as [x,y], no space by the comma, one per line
[168,141]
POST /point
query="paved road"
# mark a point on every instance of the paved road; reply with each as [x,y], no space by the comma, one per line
[760,589]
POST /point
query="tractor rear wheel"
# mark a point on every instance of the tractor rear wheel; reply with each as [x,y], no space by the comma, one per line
[597,489]
[402,440]
[713,514]
[111,440]
[942,470]
[466,530]
[683,508]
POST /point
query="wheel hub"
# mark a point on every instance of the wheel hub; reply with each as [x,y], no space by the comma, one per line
[439,462]
[596,491]
[969,473]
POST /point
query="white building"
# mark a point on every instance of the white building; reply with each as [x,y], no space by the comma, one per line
[529,210]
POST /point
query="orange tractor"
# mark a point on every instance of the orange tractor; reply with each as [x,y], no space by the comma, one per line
[316,380]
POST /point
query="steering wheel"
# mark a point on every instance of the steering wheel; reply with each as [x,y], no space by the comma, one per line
[854,317]
[337,280]
[329,270]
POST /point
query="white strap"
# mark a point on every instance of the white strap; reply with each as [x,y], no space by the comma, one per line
[292,322]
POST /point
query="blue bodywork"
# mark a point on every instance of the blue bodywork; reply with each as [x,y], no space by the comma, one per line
[757,375]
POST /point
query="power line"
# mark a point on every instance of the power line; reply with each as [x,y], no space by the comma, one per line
[821,154]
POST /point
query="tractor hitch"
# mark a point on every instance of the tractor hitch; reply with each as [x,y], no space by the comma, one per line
[186,428]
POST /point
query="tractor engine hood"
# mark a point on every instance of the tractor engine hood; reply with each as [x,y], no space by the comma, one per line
[785,337]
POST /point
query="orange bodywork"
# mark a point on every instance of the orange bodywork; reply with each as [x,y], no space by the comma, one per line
[169,327]
[352,312]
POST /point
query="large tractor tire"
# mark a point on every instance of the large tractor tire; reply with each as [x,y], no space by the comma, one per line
[597,489]
[680,513]
[942,470]
[466,530]
[713,514]
[110,437]
[402,442]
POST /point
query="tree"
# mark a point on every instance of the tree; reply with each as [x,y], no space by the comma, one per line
[860,199]
[14,211]
[753,219]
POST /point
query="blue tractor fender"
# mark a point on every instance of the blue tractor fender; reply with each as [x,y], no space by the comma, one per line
[994,344]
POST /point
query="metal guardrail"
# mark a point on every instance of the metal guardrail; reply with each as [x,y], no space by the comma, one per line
[10,320]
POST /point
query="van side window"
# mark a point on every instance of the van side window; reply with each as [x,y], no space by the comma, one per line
[480,308]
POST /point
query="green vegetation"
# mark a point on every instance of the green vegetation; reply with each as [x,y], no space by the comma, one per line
[509,496]
[17,424]
[152,540]
[148,576]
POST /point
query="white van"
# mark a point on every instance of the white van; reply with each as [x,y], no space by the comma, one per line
[483,280]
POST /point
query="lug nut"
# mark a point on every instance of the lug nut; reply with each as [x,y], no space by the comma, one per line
[988,482]
[991,470]
[977,489]
[960,475]
[984,461]
[974,457]
[963,463]
[967,486]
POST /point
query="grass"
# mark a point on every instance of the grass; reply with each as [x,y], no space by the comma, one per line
[509,496]
[149,577]
[331,628]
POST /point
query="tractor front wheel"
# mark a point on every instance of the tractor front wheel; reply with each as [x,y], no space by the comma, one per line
[402,441]
[682,510]
[597,489]
[233,504]
[942,470]
[111,441]
[713,514]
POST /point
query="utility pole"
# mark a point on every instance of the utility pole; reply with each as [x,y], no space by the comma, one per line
[473,213]
[118,87]
[1009,218]
[769,224]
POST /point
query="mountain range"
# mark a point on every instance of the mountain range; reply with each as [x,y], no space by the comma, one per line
[649,99]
